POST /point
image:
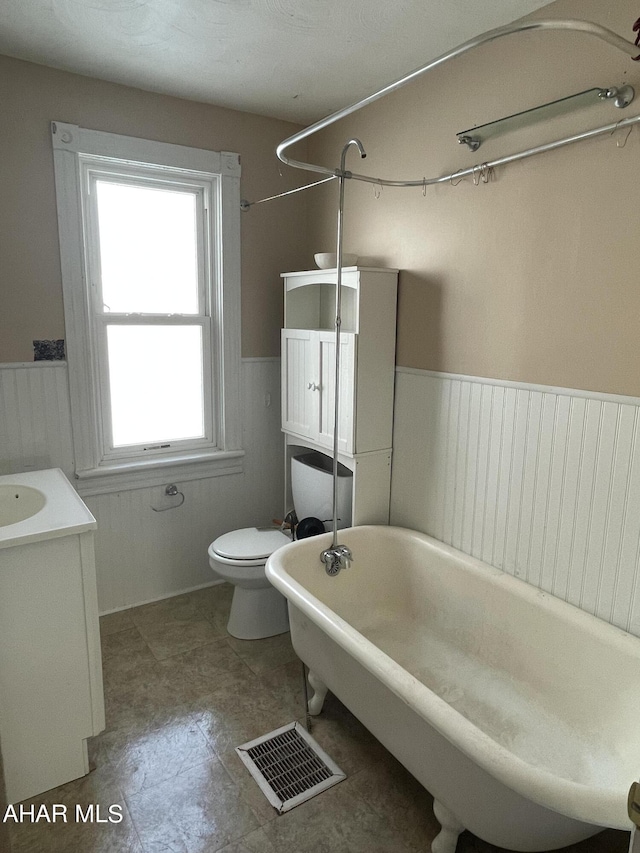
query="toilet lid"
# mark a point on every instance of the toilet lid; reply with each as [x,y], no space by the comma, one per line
[250,543]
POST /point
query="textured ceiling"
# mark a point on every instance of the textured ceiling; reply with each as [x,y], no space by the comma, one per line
[291,59]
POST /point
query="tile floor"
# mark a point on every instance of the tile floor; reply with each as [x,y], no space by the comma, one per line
[180,695]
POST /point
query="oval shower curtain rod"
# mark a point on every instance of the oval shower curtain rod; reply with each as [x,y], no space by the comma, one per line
[578,26]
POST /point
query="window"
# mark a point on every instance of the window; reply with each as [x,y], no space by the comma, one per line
[149,237]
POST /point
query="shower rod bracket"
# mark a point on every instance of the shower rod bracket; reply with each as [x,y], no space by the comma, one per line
[470,141]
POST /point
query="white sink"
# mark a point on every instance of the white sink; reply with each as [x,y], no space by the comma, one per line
[18,503]
[40,505]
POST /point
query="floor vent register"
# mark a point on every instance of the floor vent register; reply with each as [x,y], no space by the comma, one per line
[289,766]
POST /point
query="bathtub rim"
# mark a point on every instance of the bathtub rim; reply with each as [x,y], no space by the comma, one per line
[600,806]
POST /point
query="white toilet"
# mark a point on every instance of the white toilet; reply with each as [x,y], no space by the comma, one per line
[258,610]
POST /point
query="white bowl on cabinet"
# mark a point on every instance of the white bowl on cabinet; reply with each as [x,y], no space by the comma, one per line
[329,260]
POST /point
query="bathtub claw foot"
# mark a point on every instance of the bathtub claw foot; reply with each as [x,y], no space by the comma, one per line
[447,839]
[319,693]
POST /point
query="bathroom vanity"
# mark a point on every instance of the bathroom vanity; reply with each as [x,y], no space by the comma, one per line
[51,695]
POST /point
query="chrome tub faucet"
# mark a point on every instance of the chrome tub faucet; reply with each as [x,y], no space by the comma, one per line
[336,558]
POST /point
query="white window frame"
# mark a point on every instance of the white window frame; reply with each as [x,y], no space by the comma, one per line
[80,156]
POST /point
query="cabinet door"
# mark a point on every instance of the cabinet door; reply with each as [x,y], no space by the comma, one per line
[346,408]
[300,382]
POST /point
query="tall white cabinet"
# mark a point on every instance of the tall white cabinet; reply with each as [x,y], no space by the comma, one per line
[367,360]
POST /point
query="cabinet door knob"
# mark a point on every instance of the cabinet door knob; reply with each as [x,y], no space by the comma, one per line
[313,387]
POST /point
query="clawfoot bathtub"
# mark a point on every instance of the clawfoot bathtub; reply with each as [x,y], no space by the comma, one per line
[518,712]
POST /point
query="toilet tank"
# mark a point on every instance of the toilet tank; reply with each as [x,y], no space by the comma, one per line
[312,489]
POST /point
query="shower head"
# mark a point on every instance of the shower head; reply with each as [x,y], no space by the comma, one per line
[355,141]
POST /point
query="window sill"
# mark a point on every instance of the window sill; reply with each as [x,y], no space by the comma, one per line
[123,476]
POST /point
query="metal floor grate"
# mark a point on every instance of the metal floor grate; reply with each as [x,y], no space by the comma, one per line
[289,766]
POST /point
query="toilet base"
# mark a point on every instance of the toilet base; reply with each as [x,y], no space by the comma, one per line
[257,613]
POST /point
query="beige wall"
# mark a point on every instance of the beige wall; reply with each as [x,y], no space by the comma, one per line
[531,277]
[534,276]
[31,96]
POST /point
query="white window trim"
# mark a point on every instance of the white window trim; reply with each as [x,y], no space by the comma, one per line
[69,143]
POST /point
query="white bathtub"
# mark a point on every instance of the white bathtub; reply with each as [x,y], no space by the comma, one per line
[518,712]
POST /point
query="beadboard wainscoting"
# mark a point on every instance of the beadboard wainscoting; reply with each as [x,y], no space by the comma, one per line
[143,555]
[543,483]
[35,417]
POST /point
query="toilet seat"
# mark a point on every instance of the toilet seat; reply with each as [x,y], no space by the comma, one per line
[248,547]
